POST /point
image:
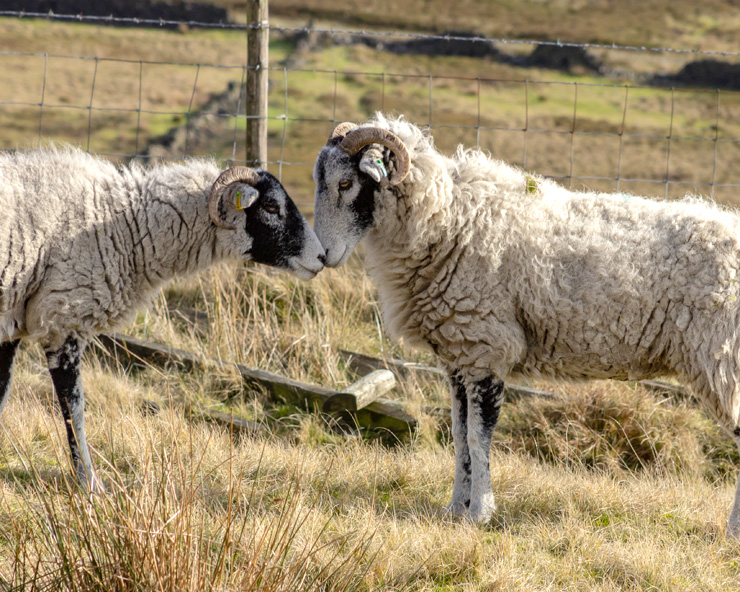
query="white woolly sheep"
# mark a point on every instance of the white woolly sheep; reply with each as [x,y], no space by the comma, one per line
[84,244]
[502,273]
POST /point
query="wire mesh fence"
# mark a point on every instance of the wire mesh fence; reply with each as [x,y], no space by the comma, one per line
[589,117]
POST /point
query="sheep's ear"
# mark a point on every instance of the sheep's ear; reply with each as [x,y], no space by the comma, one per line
[372,163]
[233,189]
[239,196]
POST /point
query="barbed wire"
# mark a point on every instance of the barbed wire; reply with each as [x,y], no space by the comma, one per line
[121,60]
[502,40]
[362,32]
[110,19]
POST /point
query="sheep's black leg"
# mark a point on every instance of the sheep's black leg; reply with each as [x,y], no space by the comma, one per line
[461,489]
[64,367]
[7,362]
[485,398]
[733,526]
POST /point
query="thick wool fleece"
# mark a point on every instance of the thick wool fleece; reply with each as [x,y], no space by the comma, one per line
[80,248]
[502,272]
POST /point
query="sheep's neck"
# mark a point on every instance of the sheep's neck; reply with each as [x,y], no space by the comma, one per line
[404,278]
[176,238]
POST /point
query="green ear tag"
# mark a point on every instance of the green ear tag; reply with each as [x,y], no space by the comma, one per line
[238,200]
[379,162]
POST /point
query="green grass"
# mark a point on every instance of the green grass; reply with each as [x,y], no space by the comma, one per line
[661,23]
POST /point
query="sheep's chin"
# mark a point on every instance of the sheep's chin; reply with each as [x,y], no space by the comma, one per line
[301,272]
[347,252]
[342,259]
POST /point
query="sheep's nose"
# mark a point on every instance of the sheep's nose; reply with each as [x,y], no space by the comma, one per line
[322,258]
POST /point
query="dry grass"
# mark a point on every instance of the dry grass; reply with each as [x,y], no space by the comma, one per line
[183,510]
[611,426]
[609,489]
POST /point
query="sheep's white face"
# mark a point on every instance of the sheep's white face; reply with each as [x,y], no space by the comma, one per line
[276,232]
[345,197]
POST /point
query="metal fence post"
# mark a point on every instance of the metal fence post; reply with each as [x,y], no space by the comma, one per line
[258,36]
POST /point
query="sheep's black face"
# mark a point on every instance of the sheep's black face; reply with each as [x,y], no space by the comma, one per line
[280,235]
[345,203]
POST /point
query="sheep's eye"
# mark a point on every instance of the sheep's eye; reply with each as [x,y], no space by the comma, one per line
[271,208]
[345,184]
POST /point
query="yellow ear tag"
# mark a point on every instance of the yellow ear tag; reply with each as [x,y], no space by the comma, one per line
[238,200]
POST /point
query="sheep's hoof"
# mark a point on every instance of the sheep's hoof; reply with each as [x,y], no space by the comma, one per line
[457,509]
[91,484]
[733,531]
[481,510]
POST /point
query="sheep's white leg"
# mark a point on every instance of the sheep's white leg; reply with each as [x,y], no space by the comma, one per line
[461,489]
[733,525]
[484,404]
[64,367]
[7,362]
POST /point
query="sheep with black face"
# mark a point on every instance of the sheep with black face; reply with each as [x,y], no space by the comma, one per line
[84,244]
[503,273]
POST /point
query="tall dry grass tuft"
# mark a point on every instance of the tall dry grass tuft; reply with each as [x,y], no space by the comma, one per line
[185,518]
[259,317]
[617,427]
[164,534]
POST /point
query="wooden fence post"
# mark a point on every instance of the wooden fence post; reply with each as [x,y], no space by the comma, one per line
[258,37]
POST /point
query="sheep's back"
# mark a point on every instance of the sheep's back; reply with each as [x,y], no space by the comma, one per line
[625,287]
[52,235]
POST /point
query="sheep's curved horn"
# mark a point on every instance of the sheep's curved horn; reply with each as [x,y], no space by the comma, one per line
[229,176]
[343,129]
[364,136]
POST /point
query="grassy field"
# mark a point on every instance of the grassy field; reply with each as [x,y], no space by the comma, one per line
[586,130]
[713,26]
[610,488]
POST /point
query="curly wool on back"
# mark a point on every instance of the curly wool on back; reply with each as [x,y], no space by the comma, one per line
[504,273]
[88,243]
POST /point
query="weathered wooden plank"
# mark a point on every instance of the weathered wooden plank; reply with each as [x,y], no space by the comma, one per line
[382,413]
[658,386]
[141,352]
[361,393]
[385,414]
[286,389]
[238,425]
[138,352]
[363,364]
[515,391]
